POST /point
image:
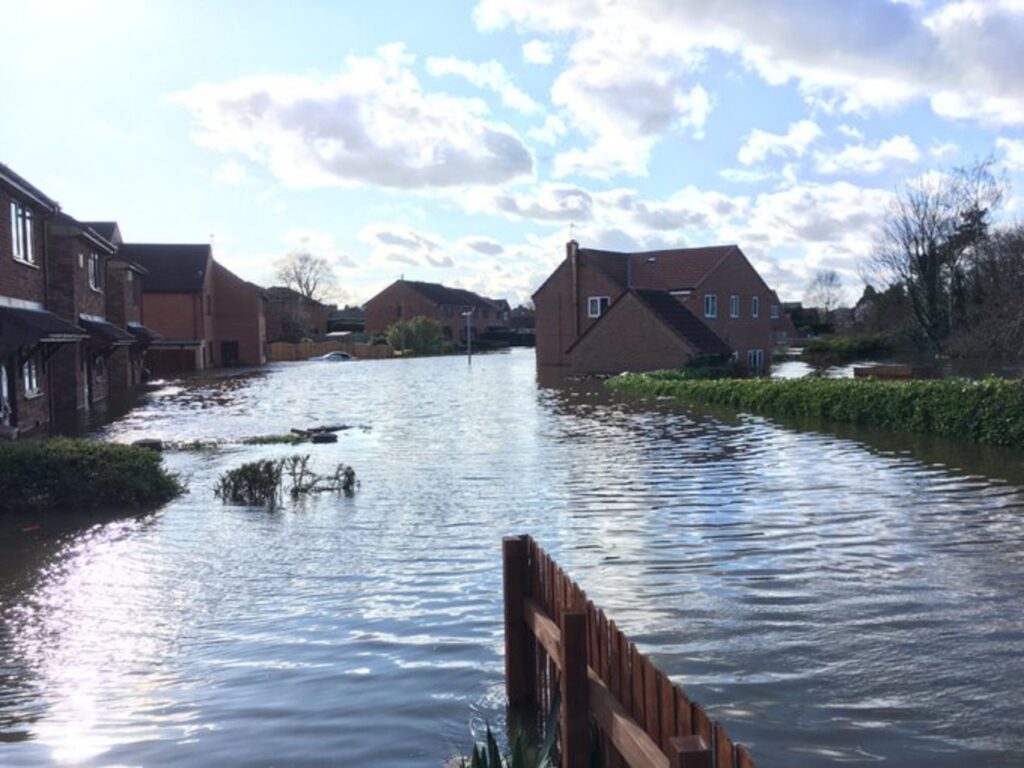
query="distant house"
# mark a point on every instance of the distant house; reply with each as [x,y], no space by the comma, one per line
[351,319]
[30,334]
[293,317]
[405,299]
[205,315]
[607,312]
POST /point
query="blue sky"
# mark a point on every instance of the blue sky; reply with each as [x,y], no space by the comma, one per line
[462,142]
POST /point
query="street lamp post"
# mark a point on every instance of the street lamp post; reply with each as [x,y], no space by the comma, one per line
[469,336]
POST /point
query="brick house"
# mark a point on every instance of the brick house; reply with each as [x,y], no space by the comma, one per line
[607,312]
[30,334]
[293,317]
[205,315]
[76,281]
[405,299]
[124,290]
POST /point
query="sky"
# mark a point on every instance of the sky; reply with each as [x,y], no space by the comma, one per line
[466,142]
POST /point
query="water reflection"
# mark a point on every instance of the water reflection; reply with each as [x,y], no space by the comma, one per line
[837,596]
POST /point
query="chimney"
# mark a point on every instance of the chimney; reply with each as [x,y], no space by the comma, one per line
[572,253]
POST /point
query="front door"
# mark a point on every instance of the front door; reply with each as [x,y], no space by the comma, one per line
[87,379]
[229,353]
[6,397]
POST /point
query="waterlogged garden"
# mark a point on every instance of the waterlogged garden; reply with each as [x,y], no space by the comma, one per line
[837,591]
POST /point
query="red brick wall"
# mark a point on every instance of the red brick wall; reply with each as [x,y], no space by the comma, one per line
[239,316]
[17,279]
[401,301]
[737,276]
[68,291]
[629,339]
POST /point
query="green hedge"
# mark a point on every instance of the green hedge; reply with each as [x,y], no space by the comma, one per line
[845,349]
[988,411]
[66,474]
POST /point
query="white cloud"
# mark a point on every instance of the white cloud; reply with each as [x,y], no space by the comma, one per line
[371,124]
[744,175]
[1013,153]
[232,173]
[943,149]
[543,202]
[538,52]
[795,141]
[548,133]
[485,245]
[392,244]
[861,158]
[488,74]
[963,58]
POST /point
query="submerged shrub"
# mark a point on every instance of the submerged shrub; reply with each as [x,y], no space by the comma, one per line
[75,474]
[987,411]
[262,483]
[831,350]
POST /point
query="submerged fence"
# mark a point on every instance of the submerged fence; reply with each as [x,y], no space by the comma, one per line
[556,640]
[279,351]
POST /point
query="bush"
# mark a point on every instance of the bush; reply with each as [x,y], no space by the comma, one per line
[40,475]
[845,349]
[988,411]
[262,483]
[418,335]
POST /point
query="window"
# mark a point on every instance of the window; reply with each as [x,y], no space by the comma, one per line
[755,306]
[99,368]
[21,233]
[755,359]
[95,272]
[30,375]
[734,306]
[711,305]
[597,305]
[774,309]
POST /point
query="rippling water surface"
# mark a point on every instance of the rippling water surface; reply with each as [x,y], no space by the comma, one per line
[836,602]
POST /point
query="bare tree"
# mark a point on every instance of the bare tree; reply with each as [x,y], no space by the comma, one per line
[932,229]
[305,273]
[826,291]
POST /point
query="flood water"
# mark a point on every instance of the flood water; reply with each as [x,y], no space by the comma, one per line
[833,597]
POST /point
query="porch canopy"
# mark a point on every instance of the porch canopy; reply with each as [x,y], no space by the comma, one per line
[21,327]
[103,334]
[142,334]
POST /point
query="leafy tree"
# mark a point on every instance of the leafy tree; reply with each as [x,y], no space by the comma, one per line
[305,273]
[418,335]
[932,231]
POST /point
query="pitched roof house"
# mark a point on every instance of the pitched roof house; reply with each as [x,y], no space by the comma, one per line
[606,312]
[206,315]
[405,299]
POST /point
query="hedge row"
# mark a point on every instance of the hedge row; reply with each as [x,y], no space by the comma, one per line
[987,411]
[66,474]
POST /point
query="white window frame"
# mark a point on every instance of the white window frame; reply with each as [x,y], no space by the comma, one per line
[774,310]
[755,359]
[711,305]
[755,306]
[734,305]
[22,242]
[30,377]
[95,272]
[597,305]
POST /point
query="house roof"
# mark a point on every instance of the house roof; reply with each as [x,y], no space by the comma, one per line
[677,269]
[24,187]
[442,294]
[673,314]
[106,334]
[106,229]
[284,293]
[172,268]
[69,226]
[143,334]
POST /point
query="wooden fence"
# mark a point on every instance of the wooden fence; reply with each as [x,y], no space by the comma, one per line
[556,640]
[278,351]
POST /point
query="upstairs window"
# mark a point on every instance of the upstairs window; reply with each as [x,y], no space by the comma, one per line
[755,306]
[95,272]
[774,309]
[22,245]
[711,305]
[597,305]
[734,306]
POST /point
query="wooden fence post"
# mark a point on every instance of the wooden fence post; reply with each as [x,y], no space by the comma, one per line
[518,638]
[575,709]
[689,752]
